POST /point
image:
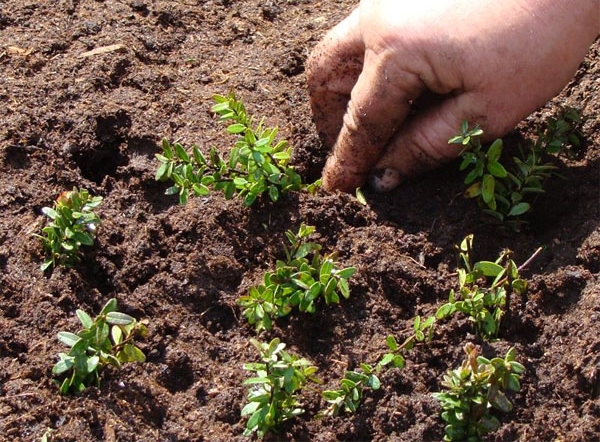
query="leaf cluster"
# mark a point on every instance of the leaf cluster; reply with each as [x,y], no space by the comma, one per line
[482,301]
[257,163]
[563,134]
[348,397]
[351,391]
[109,339]
[474,390]
[506,191]
[72,223]
[299,281]
[273,396]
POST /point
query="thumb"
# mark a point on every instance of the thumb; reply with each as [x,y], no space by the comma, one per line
[421,143]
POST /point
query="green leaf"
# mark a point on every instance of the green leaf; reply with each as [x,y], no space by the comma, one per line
[496,169]
[519,209]
[116,334]
[84,238]
[255,419]
[133,353]
[386,359]
[84,318]
[273,193]
[398,361]
[200,189]
[487,188]
[65,364]
[173,190]
[488,268]
[161,172]
[236,128]
[360,196]
[500,401]
[250,408]
[68,338]
[445,310]
[374,382]
[118,318]
[346,273]
[167,149]
[92,363]
[181,153]
[51,213]
[474,190]
[494,151]
[198,156]
[391,343]
[110,306]
[519,286]
[325,271]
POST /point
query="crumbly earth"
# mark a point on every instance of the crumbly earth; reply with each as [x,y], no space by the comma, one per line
[95,120]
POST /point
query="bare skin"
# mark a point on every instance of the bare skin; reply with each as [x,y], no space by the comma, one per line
[494,62]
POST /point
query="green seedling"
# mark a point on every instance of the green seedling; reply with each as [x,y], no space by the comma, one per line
[563,134]
[351,391]
[347,398]
[72,223]
[298,282]
[422,332]
[473,391]
[483,301]
[109,339]
[257,162]
[274,393]
[506,192]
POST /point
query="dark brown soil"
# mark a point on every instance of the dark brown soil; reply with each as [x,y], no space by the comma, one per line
[96,121]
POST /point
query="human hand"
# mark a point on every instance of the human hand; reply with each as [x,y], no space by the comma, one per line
[493,61]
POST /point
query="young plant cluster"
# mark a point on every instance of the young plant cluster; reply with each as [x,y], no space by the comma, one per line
[273,397]
[109,339]
[505,191]
[348,397]
[72,224]
[298,282]
[483,302]
[351,391]
[474,390]
[257,163]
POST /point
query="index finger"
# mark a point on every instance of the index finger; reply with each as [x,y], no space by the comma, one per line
[379,103]
[331,71]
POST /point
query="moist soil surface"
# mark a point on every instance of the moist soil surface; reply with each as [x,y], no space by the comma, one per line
[95,120]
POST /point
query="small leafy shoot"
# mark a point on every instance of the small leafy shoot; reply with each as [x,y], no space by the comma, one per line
[109,339]
[257,162]
[72,223]
[474,391]
[506,191]
[484,288]
[304,277]
[348,397]
[274,391]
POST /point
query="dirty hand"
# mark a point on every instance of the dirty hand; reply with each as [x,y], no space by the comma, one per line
[493,61]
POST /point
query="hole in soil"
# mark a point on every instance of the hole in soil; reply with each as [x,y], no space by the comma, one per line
[103,160]
[11,311]
[12,348]
[218,318]
[16,157]
[179,373]
[3,261]
[96,276]
[202,395]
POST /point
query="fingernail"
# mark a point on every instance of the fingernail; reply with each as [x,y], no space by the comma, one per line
[385,180]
